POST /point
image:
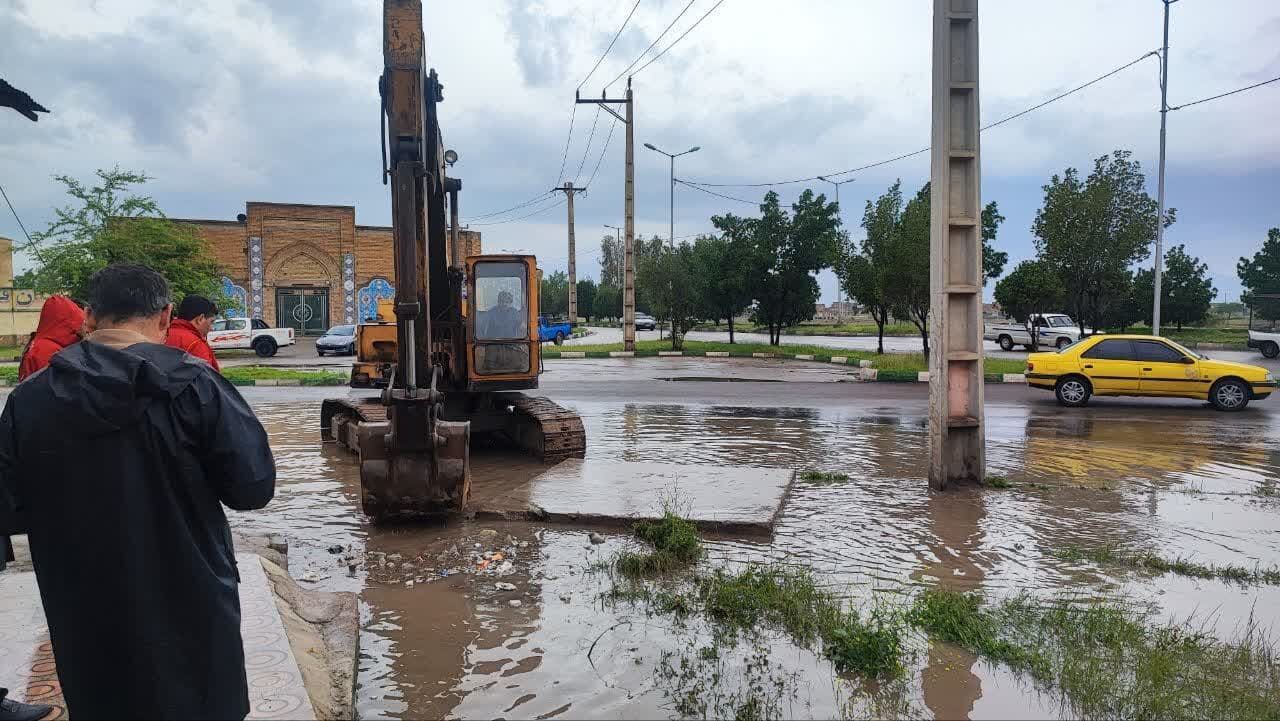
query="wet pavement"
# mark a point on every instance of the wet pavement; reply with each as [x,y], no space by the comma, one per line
[442,636]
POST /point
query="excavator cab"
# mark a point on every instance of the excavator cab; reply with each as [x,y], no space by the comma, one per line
[503,351]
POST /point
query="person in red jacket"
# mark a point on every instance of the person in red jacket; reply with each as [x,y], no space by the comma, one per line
[189,330]
[61,324]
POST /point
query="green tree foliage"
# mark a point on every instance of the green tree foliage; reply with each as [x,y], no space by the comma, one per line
[1133,305]
[612,257]
[1261,274]
[993,261]
[1185,288]
[786,250]
[108,223]
[670,277]
[611,250]
[908,256]
[1092,231]
[607,303]
[1032,287]
[1227,311]
[722,275]
[867,273]
[553,294]
[586,298]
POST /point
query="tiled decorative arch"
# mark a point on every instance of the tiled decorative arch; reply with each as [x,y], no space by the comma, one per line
[379,288]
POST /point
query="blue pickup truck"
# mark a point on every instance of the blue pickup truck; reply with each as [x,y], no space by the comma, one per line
[550,330]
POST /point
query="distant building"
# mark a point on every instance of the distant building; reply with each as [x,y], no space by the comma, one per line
[19,307]
[306,266]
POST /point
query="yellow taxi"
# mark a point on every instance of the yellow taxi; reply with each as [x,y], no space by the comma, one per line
[1144,365]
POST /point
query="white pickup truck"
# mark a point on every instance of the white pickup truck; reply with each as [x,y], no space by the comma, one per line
[1056,330]
[240,333]
[1267,343]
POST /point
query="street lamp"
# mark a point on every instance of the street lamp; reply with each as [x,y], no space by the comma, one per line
[694,149]
[838,183]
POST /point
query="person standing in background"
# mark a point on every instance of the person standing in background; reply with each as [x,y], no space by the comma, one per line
[62,323]
[190,329]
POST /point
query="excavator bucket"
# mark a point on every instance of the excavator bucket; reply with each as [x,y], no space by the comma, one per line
[404,484]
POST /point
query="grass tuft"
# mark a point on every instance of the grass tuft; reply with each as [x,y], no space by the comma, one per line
[823,477]
[675,542]
[1113,555]
[997,482]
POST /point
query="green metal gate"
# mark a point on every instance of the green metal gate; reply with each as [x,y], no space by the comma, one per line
[306,310]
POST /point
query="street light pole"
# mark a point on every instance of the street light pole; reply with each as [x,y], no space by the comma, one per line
[672,227]
[1164,113]
[840,210]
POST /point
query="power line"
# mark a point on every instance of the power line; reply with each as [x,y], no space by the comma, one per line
[572,114]
[578,176]
[611,42]
[652,44]
[556,204]
[30,243]
[921,151]
[1223,95]
[602,153]
[718,195]
[677,40]
[525,204]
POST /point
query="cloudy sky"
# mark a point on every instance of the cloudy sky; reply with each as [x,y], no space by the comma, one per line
[226,101]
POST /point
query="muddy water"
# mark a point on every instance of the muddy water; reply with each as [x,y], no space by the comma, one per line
[452,644]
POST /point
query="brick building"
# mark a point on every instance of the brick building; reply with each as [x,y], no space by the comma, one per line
[306,266]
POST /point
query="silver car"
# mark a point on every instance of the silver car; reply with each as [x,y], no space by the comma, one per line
[338,340]
[644,321]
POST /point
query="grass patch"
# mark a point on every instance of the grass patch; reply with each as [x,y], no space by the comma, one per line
[10,352]
[1105,661]
[997,482]
[823,477]
[675,545]
[246,375]
[1114,555]
[1196,335]
[9,374]
[888,363]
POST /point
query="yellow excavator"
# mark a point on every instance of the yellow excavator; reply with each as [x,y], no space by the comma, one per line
[459,339]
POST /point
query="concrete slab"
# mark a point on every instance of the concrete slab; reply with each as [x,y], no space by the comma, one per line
[275,684]
[718,498]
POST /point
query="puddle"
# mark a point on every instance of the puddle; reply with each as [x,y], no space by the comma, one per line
[721,379]
[1193,486]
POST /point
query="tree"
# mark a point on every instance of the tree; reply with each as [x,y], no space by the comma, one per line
[108,223]
[608,302]
[993,261]
[1185,288]
[861,282]
[1261,274]
[586,298]
[868,275]
[721,274]
[1134,304]
[553,294]
[1032,287]
[907,250]
[611,251]
[670,275]
[1092,231]
[786,251]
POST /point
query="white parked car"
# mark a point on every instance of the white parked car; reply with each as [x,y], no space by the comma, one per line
[1055,330]
[240,333]
[1267,343]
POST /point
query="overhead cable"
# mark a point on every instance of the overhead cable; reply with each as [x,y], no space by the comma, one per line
[1223,95]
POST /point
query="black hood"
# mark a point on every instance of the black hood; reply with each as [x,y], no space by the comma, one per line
[99,390]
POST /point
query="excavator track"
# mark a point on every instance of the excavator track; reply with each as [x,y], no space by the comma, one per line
[540,427]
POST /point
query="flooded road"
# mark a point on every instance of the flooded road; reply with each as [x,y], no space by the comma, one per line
[440,642]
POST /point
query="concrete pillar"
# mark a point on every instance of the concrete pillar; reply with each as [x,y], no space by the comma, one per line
[6,262]
[956,428]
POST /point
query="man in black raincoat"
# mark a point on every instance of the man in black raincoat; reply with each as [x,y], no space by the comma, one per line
[116,460]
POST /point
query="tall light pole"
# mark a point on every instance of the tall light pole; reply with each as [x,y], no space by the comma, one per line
[694,149]
[1164,113]
[839,290]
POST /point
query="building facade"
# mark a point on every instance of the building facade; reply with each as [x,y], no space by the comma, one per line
[306,266]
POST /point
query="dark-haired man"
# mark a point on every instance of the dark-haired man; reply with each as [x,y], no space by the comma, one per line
[116,460]
[190,329]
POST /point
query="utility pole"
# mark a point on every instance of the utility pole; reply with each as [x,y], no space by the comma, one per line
[1164,114]
[629,210]
[569,191]
[839,289]
[956,425]
[694,149]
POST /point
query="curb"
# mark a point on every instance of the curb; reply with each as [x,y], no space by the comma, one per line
[866,370]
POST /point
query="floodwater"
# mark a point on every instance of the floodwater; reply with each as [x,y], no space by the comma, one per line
[1186,484]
